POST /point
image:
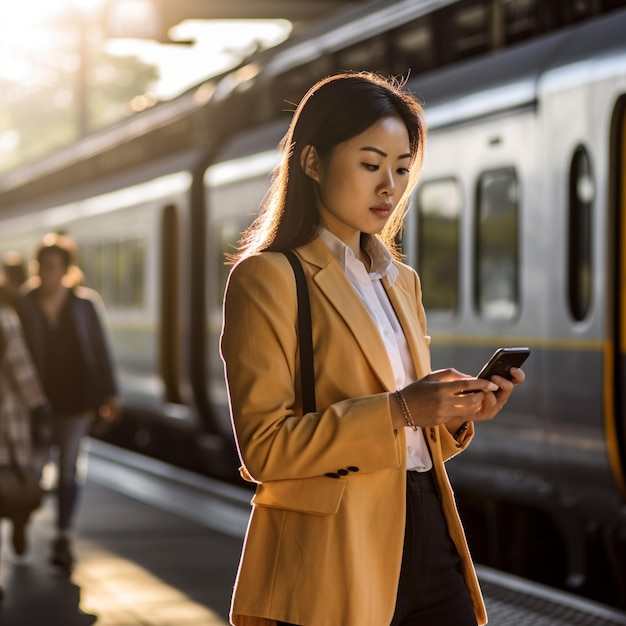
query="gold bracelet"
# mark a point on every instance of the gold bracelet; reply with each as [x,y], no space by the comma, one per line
[405,410]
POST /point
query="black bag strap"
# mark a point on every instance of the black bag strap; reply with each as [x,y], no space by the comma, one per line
[305,335]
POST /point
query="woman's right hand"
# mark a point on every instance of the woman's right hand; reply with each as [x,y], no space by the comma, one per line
[441,397]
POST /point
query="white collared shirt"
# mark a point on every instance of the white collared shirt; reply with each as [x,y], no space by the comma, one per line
[374,297]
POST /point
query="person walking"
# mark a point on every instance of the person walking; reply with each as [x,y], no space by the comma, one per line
[64,329]
[353,520]
[21,396]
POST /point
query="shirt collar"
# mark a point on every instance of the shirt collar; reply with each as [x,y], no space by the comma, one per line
[382,261]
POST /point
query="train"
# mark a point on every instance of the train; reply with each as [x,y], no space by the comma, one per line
[517,229]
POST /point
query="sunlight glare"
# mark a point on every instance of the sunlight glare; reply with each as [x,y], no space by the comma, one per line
[34,39]
[118,590]
[25,34]
[218,45]
[87,6]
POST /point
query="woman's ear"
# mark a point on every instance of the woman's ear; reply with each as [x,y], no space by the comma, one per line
[310,162]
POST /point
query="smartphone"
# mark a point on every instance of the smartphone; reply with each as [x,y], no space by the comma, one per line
[502,361]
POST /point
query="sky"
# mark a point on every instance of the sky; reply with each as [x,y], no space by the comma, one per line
[29,42]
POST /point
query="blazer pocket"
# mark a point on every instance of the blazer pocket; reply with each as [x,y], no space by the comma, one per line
[319,495]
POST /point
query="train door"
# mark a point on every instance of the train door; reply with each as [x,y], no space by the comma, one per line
[616,353]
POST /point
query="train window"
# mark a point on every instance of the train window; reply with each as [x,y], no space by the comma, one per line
[121,272]
[87,263]
[414,47]
[139,269]
[580,10]
[290,89]
[581,195]
[128,282]
[97,268]
[520,20]
[369,55]
[107,273]
[116,271]
[470,26]
[496,244]
[291,86]
[439,204]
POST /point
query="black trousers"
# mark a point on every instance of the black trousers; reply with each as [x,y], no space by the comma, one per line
[431,591]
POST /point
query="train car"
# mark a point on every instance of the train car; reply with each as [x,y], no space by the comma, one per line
[516,230]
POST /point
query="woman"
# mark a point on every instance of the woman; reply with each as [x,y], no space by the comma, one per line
[354,521]
[21,395]
[65,334]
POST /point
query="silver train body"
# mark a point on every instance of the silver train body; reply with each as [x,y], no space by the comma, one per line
[517,228]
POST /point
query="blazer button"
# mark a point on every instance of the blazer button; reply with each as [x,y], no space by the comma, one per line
[352,468]
[343,472]
[433,434]
[332,475]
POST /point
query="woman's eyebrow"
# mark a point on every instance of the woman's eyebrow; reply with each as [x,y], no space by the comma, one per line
[382,153]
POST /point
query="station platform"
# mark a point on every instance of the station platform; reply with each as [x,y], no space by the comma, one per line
[136,566]
[159,546]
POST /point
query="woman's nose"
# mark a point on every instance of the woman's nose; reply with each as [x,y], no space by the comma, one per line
[387,184]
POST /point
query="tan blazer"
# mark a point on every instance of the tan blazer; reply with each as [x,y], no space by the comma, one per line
[320,550]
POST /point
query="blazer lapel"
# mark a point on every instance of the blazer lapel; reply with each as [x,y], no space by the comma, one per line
[404,304]
[333,283]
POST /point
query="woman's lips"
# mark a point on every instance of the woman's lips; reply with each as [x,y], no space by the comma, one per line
[382,210]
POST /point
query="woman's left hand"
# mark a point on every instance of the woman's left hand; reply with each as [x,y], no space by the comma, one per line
[492,401]
[495,400]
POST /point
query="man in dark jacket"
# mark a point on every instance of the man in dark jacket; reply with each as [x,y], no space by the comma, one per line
[64,330]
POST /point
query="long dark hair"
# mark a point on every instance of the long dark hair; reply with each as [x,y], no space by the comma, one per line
[334,110]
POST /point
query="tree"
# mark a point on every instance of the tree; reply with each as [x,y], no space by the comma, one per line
[36,119]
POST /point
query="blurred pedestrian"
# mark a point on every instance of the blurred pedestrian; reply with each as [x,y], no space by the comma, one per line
[15,274]
[63,324]
[21,395]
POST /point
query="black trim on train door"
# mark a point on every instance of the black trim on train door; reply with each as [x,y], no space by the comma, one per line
[169,330]
[195,257]
[217,448]
[615,350]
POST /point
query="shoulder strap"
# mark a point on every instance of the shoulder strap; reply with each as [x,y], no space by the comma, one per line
[305,335]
